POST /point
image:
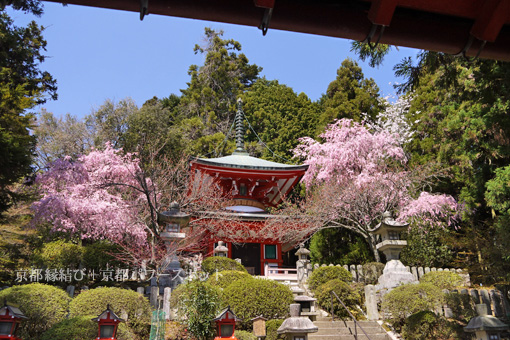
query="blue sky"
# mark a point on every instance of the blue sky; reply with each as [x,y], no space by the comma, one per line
[98,54]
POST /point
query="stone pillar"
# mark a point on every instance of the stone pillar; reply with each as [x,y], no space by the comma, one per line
[140,290]
[498,304]
[166,302]
[475,296]
[486,300]
[153,299]
[371,303]
[414,271]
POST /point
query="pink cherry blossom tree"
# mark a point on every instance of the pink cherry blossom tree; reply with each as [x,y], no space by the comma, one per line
[355,175]
[107,194]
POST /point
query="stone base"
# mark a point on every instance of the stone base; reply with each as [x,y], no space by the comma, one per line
[394,274]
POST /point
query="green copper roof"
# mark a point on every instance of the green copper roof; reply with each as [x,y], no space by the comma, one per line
[244,161]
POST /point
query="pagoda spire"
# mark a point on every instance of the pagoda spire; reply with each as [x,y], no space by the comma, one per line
[240,129]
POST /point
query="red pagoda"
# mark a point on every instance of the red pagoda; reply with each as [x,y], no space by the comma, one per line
[254,185]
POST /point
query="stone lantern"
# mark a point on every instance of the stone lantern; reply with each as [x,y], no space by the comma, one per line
[296,327]
[307,306]
[484,326]
[107,323]
[226,324]
[394,273]
[172,220]
[10,320]
[221,250]
[303,264]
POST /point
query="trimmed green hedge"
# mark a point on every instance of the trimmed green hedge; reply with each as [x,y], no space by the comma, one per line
[349,296]
[252,297]
[122,301]
[82,328]
[427,325]
[244,335]
[217,263]
[271,329]
[324,274]
[44,305]
[226,277]
[410,299]
[443,280]
[77,328]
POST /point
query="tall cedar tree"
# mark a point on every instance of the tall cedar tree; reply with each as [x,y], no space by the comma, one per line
[22,86]
[208,104]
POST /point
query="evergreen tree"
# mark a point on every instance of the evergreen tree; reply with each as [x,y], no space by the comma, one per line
[350,95]
[208,104]
[280,117]
[22,86]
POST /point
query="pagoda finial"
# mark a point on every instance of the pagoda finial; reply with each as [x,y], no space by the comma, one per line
[239,128]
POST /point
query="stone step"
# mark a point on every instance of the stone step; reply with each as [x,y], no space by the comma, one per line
[338,330]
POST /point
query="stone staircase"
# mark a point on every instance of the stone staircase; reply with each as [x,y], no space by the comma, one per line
[336,330]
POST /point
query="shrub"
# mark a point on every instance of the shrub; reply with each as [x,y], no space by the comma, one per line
[244,335]
[226,277]
[99,254]
[443,280]
[59,254]
[349,297]
[271,329]
[372,271]
[252,297]
[128,304]
[462,306]
[324,274]
[77,328]
[426,325]
[197,304]
[409,299]
[44,305]
[216,263]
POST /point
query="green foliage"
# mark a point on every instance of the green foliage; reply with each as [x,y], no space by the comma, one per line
[59,254]
[217,263]
[271,329]
[444,280]
[128,304]
[375,55]
[252,297]
[349,297]
[372,271]
[280,117]
[44,306]
[462,306]
[322,275]
[408,299]
[213,90]
[244,335]
[226,277]
[427,325]
[99,254]
[77,328]
[350,95]
[22,86]
[461,123]
[339,246]
[197,304]
[426,247]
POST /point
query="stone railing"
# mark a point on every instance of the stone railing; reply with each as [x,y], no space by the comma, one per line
[357,272]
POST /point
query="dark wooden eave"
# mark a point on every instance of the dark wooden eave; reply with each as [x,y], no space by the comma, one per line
[469,27]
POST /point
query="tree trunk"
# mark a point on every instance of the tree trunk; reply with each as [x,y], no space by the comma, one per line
[372,241]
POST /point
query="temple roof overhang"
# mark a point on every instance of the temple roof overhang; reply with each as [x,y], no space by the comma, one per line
[465,27]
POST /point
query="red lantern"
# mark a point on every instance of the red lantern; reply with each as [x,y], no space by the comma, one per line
[226,324]
[108,322]
[10,319]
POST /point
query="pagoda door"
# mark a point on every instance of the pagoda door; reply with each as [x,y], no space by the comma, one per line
[249,253]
